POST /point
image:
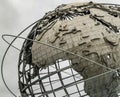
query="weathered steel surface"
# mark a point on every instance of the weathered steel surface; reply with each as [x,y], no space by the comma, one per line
[87,29]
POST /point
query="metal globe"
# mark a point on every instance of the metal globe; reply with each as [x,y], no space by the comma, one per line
[74,52]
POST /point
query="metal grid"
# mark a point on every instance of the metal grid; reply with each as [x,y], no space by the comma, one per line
[58,79]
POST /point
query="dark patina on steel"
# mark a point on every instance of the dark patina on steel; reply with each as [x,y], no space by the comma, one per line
[86,34]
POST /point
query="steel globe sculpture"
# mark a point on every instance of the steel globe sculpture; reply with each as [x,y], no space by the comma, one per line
[74,44]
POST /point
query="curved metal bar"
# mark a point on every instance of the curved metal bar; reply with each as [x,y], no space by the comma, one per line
[61,50]
[60,77]
[51,82]
[2,63]
[111,70]
[10,44]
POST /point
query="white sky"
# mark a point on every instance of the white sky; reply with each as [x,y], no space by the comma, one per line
[16,15]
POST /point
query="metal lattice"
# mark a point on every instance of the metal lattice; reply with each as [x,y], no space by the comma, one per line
[54,66]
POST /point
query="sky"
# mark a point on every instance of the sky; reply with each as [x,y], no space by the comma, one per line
[15,15]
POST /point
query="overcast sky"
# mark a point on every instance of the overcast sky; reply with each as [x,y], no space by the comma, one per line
[16,15]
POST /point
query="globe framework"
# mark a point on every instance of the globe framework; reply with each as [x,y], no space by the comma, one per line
[75,52]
